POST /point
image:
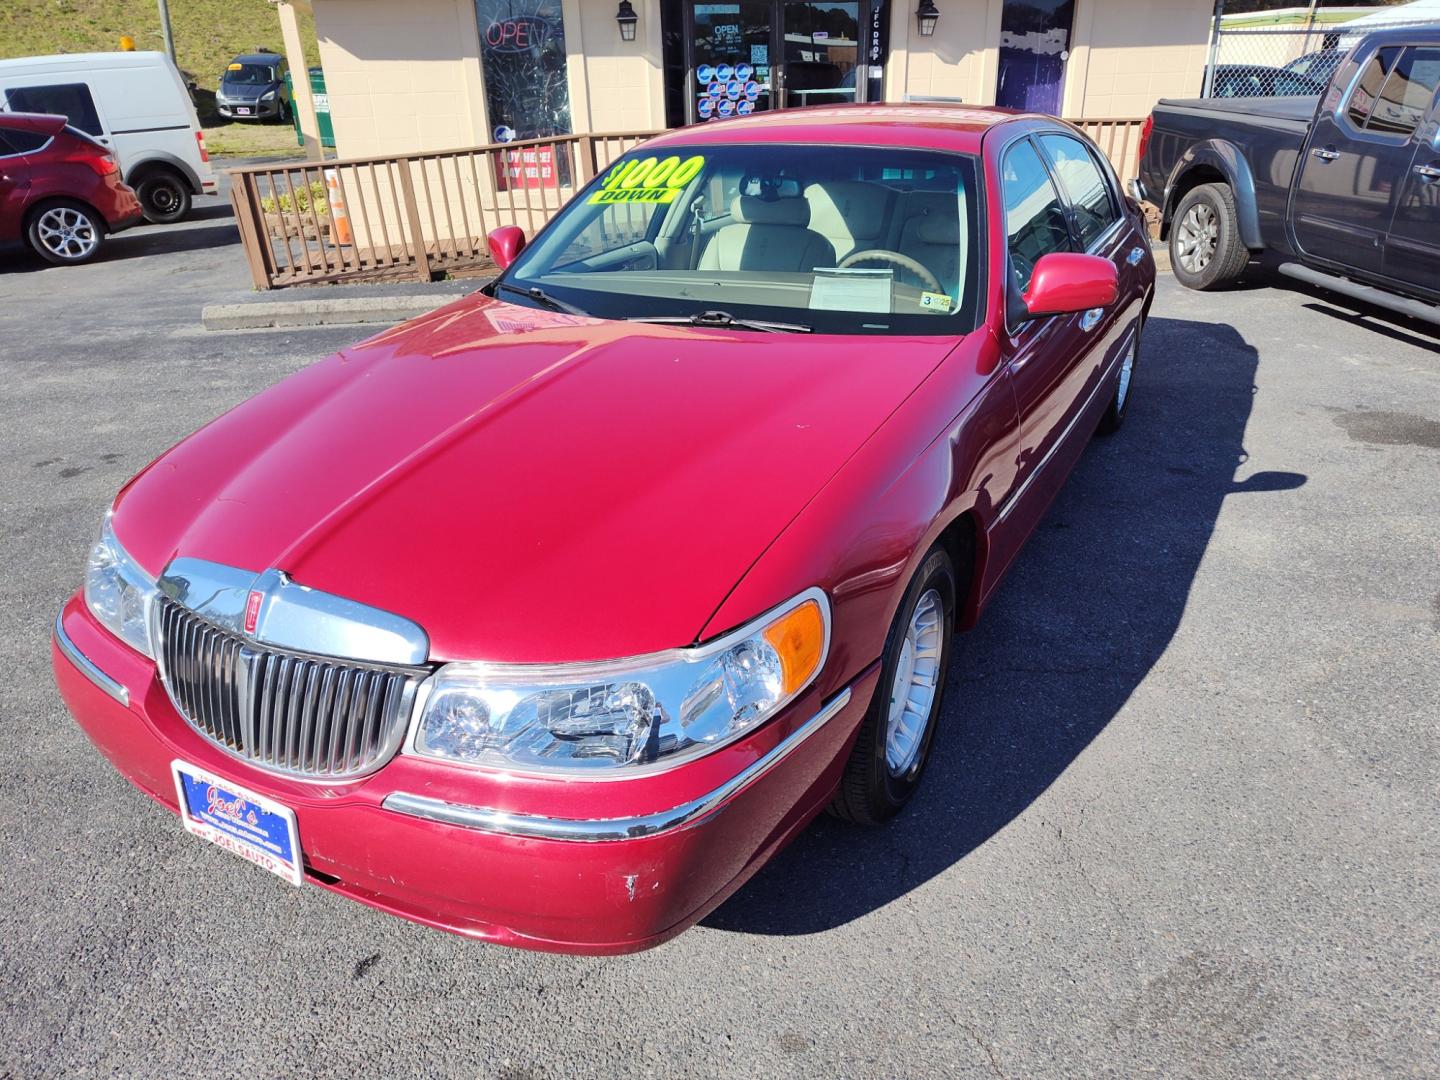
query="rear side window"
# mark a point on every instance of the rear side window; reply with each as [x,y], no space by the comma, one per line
[1408,92]
[1034,216]
[1371,82]
[1091,200]
[21,142]
[70,100]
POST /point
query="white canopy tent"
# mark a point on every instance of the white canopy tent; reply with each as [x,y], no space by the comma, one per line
[1417,11]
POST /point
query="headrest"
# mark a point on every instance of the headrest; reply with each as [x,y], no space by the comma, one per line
[939,229]
[751,210]
[846,208]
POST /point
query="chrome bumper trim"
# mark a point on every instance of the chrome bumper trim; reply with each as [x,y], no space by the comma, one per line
[87,666]
[627,828]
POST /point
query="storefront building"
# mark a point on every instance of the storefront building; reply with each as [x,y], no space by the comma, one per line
[424,75]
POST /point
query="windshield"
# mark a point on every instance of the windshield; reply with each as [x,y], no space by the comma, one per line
[848,240]
[249,74]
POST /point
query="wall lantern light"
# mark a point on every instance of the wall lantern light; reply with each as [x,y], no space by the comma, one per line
[926,16]
[627,19]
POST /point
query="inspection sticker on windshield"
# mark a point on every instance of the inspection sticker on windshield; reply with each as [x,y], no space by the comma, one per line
[649,180]
[935,301]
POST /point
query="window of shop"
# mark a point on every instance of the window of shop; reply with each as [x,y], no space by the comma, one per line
[522,53]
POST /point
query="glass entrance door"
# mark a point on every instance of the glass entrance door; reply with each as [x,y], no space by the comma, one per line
[1034,45]
[730,65]
[822,44]
[746,56]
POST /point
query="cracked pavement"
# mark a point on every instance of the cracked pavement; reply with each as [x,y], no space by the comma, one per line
[1181,821]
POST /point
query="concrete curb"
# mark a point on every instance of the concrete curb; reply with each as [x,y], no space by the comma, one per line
[327,312]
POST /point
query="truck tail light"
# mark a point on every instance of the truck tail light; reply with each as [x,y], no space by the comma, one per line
[1145,130]
[200,138]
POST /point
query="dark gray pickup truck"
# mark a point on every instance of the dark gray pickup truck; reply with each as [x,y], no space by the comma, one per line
[1342,190]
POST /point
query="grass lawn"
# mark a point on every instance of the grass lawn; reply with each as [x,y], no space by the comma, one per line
[207,32]
[252,140]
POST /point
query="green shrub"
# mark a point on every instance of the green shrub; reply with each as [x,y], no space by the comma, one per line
[306,199]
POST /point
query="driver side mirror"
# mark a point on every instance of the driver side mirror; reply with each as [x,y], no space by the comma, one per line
[506,243]
[1065,282]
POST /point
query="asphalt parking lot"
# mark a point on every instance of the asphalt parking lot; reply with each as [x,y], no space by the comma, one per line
[1182,818]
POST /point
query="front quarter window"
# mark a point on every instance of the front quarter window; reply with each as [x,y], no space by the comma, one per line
[832,239]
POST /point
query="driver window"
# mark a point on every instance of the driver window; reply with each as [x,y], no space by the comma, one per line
[1034,216]
[615,227]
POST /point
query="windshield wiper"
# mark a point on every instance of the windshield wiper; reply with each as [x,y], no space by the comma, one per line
[723,319]
[541,296]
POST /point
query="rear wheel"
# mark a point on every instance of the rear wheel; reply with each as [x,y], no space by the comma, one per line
[164,196]
[894,743]
[65,232]
[1120,403]
[1205,245]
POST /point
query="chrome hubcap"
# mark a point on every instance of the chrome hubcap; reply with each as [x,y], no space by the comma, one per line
[66,232]
[917,680]
[1197,237]
[1127,368]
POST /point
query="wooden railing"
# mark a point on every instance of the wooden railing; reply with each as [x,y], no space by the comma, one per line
[419,216]
[412,216]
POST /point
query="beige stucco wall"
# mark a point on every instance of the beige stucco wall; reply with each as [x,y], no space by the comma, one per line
[405,75]
[1124,54]
[1127,54]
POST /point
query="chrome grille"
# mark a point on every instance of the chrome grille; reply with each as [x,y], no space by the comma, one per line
[289,712]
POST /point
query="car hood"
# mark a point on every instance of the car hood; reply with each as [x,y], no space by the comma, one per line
[246,91]
[527,486]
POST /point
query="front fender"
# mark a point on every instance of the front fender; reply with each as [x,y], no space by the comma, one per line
[1224,157]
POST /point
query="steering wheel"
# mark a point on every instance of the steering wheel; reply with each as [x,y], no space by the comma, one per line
[894,258]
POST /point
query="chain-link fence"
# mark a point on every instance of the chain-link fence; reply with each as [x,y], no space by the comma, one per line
[1282,61]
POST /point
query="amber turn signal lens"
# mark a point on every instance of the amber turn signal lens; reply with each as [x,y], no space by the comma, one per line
[799,638]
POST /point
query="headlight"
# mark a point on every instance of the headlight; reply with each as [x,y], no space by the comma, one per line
[119,593]
[269,95]
[626,714]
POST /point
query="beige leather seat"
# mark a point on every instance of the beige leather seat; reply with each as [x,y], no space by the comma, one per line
[767,235]
[932,235]
[847,213]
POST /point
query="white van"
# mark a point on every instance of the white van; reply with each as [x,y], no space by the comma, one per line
[133,102]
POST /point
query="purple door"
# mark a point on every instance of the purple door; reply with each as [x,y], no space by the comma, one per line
[1034,45]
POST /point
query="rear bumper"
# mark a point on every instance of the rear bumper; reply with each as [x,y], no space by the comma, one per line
[607,867]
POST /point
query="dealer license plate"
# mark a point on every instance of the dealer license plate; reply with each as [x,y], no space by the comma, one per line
[249,825]
[242,111]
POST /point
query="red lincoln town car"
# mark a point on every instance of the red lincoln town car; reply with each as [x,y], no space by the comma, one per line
[548,617]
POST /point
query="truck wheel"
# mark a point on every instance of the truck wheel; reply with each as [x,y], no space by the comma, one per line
[164,196]
[1205,245]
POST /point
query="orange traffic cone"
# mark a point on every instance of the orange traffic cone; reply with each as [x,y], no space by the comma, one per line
[338,216]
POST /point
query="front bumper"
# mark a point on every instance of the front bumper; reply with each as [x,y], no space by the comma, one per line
[586,867]
[258,110]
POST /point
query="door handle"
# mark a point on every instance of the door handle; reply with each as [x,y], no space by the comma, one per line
[1429,172]
[1136,254]
[1090,318]
[1326,155]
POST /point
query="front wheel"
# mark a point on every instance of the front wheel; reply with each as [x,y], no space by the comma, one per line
[65,233]
[1205,246]
[164,196]
[894,743]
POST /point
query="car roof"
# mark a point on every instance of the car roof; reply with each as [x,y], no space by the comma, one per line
[44,123]
[958,128]
[86,60]
[257,58]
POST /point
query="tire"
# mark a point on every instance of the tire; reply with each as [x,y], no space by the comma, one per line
[282,114]
[65,232]
[1205,246]
[164,196]
[1120,404]
[886,763]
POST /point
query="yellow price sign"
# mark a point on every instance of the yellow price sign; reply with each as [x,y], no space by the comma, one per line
[648,180]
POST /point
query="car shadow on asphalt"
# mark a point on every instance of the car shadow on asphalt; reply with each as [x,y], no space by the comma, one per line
[1088,608]
[151,240]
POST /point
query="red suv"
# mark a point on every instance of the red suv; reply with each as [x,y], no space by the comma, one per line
[60,190]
